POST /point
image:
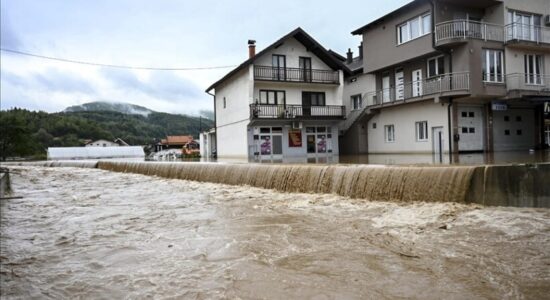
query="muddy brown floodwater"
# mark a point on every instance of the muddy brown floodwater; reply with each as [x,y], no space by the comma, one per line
[88,233]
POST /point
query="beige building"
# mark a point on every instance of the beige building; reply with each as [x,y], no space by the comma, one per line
[449,76]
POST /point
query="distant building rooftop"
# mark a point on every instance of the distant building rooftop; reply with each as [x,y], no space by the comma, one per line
[66,153]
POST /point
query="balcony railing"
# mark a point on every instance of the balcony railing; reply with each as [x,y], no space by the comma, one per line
[528,82]
[417,89]
[529,33]
[296,75]
[271,111]
[466,29]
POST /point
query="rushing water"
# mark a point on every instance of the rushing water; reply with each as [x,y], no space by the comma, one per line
[89,233]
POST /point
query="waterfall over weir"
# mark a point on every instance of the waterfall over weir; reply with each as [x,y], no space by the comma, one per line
[385,183]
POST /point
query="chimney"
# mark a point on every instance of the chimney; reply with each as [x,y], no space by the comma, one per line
[361,50]
[251,48]
[349,56]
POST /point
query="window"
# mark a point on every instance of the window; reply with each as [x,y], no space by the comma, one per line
[471,114]
[313,98]
[518,132]
[436,66]
[493,65]
[272,97]
[533,68]
[518,118]
[506,118]
[224,103]
[356,102]
[523,26]
[374,125]
[389,133]
[507,132]
[422,131]
[414,28]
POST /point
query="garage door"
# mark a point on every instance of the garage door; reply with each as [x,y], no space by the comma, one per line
[470,123]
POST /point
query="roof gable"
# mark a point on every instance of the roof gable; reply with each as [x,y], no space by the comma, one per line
[302,37]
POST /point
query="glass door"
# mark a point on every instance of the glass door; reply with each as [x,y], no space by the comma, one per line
[417,83]
[305,69]
[386,89]
[399,85]
[279,67]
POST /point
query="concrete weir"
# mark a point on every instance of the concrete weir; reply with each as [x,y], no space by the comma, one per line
[498,185]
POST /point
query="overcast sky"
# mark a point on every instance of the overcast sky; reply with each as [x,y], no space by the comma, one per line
[160,33]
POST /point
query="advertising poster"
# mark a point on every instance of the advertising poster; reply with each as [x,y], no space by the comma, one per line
[295,138]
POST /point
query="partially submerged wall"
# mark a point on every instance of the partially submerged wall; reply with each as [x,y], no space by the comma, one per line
[511,185]
[508,185]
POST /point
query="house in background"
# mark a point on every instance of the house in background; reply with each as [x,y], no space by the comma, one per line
[176,142]
[105,143]
[284,103]
[450,76]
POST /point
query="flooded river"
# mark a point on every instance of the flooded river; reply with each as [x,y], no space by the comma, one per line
[89,233]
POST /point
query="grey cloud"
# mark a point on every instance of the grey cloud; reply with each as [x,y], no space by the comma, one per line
[160,84]
[51,80]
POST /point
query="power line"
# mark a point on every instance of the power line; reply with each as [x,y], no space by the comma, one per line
[113,66]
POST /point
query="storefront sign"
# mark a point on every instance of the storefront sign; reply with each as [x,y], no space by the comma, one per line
[499,106]
[294,138]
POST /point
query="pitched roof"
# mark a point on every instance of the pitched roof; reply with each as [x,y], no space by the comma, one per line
[177,139]
[299,34]
[402,8]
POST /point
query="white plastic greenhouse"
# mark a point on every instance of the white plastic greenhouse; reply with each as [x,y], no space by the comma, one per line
[64,153]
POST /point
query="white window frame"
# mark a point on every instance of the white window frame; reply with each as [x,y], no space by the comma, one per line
[532,77]
[389,133]
[407,25]
[488,63]
[436,59]
[531,33]
[421,128]
[360,102]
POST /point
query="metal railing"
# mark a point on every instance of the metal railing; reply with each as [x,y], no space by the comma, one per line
[466,29]
[530,33]
[459,81]
[296,75]
[528,82]
[274,111]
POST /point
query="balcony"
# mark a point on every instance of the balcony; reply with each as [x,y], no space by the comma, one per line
[291,112]
[268,73]
[521,84]
[463,30]
[446,85]
[516,33]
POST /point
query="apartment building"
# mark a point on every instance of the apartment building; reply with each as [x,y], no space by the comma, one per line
[282,104]
[449,76]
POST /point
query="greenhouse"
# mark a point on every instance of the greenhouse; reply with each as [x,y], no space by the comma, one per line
[63,153]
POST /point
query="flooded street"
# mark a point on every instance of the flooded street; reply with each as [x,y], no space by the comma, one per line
[91,233]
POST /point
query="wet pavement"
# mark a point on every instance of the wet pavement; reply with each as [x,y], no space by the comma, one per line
[88,233]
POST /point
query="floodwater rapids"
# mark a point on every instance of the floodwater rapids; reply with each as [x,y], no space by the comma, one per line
[91,233]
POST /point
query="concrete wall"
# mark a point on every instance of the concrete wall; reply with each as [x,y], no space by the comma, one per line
[403,117]
[4,184]
[380,42]
[512,185]
[231,121]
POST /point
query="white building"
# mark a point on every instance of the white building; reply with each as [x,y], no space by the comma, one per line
[284,103]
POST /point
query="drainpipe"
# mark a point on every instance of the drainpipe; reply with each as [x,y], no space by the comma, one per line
[450,130]
[215,124]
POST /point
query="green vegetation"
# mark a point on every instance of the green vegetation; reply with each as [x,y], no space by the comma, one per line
[28,133]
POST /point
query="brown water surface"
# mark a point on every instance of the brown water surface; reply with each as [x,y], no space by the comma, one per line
[90,233]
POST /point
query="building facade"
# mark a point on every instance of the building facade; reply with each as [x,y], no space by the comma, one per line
[450,76]
[282,104]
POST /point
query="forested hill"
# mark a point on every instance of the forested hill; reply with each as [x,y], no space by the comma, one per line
[30,133]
